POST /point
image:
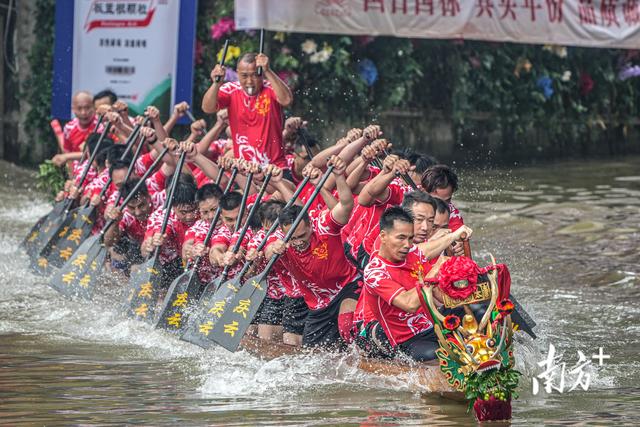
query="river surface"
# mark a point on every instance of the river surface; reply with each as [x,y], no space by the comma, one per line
[569,232]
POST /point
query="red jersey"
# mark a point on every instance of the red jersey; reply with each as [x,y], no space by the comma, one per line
[176,230]
[78,170]
[75,135]
[383,281]
[322,269]
[143,163]
[197,233]
[132,228]
[367,228]
[256,123]
[455,219]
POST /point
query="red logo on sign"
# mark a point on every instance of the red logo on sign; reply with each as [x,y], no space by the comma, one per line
[335,8]
[118,14]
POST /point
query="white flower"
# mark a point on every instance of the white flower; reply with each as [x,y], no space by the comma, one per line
[309,46]
[560,51]
[321,56]
[566,76]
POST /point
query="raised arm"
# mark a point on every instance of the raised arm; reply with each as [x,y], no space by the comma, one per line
[282,91]
[210,98]
[342,211]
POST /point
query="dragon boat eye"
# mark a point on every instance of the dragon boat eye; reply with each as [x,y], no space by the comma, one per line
[491,343]
[469,349]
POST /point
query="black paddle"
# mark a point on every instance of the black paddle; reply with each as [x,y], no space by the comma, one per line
[215,295]
[146,283]
[77,276]
[184,290]
[234,322]
[224,57]
[58,226]
[80,228]
[305,141]
[405,176]
[261,49]
[58,208]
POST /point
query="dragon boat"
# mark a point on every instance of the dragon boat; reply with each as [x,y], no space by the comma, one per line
[475,357]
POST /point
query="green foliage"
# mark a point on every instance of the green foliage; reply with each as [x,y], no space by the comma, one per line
[498,383]
[50,178]
[37,86]
[481,86]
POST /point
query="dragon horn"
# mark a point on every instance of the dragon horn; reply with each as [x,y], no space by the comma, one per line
[493,279]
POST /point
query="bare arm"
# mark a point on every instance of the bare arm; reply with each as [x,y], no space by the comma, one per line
[210,98]
[342,211]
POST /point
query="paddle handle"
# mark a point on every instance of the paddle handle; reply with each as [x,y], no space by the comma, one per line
[243,203]
[305,141]
[92,157]
[174,184]
[135,189]
[130,169]
[234,173]
[261,49]
[224,56]
[132,138]
[405,176]
[298,219]
[288,205]
[254,209]
[219,177]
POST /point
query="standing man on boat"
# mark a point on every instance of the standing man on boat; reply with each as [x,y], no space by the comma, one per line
[254,107]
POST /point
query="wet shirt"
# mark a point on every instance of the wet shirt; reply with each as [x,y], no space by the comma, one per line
[383,282]
[175,231]
[322,270]
[198,233]
[256,123]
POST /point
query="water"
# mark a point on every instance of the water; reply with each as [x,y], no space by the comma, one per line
[569,233]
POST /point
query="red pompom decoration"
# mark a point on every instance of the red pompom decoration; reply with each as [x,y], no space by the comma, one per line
[451,322]
[458,277]
[505,307]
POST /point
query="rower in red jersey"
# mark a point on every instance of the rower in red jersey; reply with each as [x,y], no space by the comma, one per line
[315,257]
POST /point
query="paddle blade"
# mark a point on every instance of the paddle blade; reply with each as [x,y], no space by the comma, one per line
[237,317]
[30,242]
[58,230]
[521,318]
[144,290]
[79,231]
[209,309]
[78,276]
[179,302]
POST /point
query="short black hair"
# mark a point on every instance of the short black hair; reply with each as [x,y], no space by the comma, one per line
[184,177]
[118,164]
[415,197]
[288,216]
[208,191]
[128,187]
[269,210]
[93,139]
[184,194]
[422,162]
[392,214]
[116,151]
[104,93]
[101,157]
[439,176]
[441,206]
[230,201]
[402,152]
